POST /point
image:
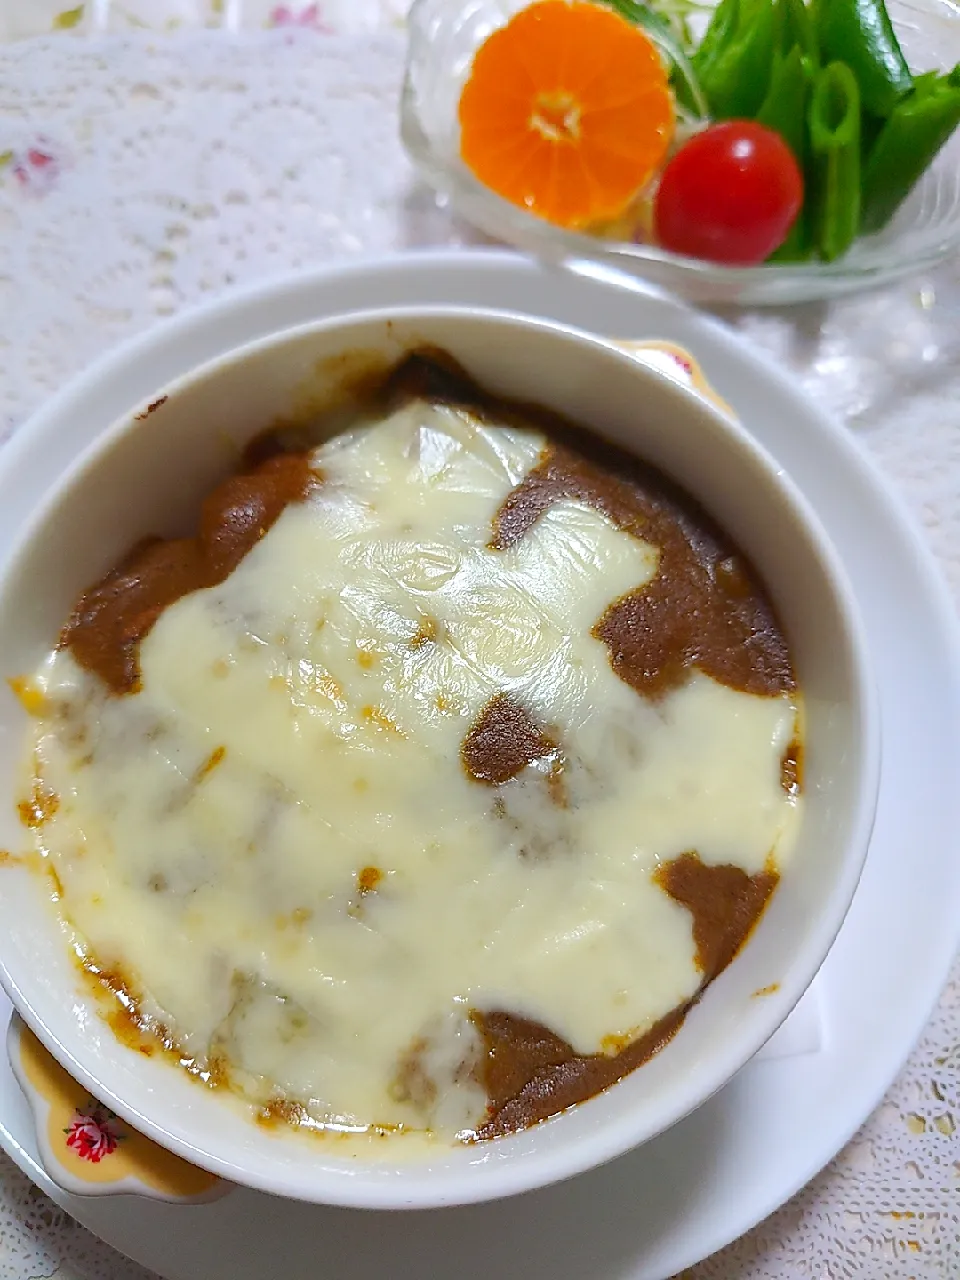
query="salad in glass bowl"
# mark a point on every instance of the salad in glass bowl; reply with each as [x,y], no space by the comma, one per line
[752,151]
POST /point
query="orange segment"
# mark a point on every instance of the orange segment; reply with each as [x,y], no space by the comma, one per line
[567,112]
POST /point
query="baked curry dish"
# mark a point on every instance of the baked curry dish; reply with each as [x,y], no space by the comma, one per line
[427,783]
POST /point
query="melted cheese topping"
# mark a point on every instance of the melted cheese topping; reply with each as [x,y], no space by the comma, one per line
[276,838]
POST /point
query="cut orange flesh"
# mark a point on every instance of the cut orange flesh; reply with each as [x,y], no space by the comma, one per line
[567,112]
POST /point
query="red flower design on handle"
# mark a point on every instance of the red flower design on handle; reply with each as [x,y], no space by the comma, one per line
[94,1132]
[684,362]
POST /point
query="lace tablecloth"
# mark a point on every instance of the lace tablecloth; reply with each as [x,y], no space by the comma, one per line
[155,152]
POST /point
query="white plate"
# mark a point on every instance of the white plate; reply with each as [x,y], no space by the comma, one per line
[664,1207]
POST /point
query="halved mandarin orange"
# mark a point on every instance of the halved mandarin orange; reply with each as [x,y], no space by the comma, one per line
[567,112]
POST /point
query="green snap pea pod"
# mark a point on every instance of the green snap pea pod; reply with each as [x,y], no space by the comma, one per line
[859,33]
[871,125]
[719,33]
[930,79]
[796,28]
[907,144]
[735,78]
[785,112]
[682,74]
[834,120]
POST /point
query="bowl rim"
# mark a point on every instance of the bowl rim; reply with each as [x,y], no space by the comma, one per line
[512,1177]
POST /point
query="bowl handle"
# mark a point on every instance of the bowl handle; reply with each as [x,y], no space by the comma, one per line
[677,363]
[85,1148]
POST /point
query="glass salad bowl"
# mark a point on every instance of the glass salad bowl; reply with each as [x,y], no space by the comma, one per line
[443,38]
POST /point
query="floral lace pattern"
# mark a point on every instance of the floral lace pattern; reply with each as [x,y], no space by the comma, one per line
[139,176]
[21,19]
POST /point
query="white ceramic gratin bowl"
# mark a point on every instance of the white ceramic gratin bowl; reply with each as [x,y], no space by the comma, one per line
[148,474]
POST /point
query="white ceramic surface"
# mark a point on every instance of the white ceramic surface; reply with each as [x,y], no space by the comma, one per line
[659,1209]
[148,475]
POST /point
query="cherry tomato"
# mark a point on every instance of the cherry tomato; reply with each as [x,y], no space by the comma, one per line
[730,194]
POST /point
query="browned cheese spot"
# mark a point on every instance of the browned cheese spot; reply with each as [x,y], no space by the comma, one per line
[502,742]
[378,717]
[121,1002]
[215,757]
[791,768]
[368,879]
[281,1111]
[557,782]
[111,618]
[427,633]
[39,807]
[54,877]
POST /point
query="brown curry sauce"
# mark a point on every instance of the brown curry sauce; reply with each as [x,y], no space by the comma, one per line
[112,618]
